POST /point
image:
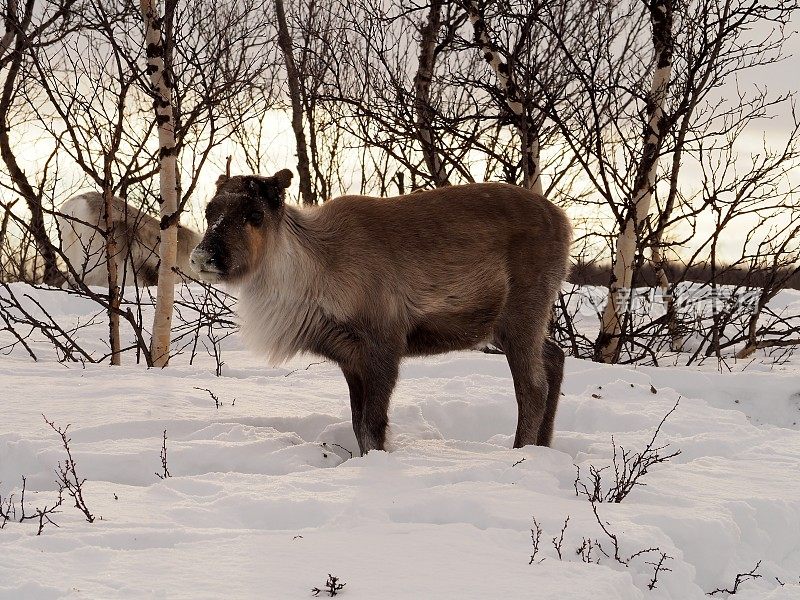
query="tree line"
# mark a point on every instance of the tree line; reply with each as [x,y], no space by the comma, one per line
[634,115]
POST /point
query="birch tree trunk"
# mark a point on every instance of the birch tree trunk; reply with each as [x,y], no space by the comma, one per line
[295,96]
[422,95]
[607,345]
[114,295]
[526,129]
[168,200]
[667,296]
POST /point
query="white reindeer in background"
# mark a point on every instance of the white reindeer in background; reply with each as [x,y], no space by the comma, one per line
[81,228]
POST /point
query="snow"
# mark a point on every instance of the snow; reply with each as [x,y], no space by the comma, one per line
[264,500]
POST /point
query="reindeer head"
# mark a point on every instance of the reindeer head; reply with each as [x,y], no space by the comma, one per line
[243,215]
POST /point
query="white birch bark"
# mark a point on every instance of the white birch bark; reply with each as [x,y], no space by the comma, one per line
[529,142]
[168,182]
[668,299]
[639,207]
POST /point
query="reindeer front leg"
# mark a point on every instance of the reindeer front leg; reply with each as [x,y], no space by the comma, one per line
[371,381]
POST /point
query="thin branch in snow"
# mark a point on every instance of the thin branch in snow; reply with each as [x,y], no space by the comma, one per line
[214,397]
[306,368]
[536,536]
[559,541]
[658,568]
[8,510]
[164,468]
[740,579]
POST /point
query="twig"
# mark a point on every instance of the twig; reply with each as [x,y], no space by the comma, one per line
[306,368]
[8,510]
[536,536]
[659,567]
[740,578]
[214,397]
[332,587]
[164,468]
[557,542]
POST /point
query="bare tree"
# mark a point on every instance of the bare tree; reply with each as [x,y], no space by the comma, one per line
[293,81]
[158,54]
[422,94]
[622,112]
[529,142]
[661,19]
[609,103]
[21,37]
[96,128]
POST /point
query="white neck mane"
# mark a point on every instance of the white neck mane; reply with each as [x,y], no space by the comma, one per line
[281,304]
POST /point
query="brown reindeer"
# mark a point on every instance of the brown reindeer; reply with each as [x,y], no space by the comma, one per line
[366,281]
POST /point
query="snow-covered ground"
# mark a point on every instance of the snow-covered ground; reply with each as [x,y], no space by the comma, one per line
[264,500]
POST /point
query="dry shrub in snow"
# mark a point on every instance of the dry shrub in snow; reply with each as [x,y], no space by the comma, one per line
[629,467]
[8,510]
[68,480]
[67,475]
[332,587]
[592,550]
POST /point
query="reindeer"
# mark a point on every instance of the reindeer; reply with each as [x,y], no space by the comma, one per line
[81,229]
[367,281]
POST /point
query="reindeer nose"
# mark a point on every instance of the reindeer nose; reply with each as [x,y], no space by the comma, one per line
[202,261]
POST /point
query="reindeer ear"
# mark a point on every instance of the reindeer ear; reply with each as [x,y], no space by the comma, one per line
[265,190]
[222,179]
[284,178]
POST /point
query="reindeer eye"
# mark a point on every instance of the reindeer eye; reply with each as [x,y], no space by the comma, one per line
[256,218]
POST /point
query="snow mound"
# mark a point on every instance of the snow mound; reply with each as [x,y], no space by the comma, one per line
[265,499]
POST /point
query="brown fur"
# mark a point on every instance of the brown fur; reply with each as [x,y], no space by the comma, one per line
[366,281]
